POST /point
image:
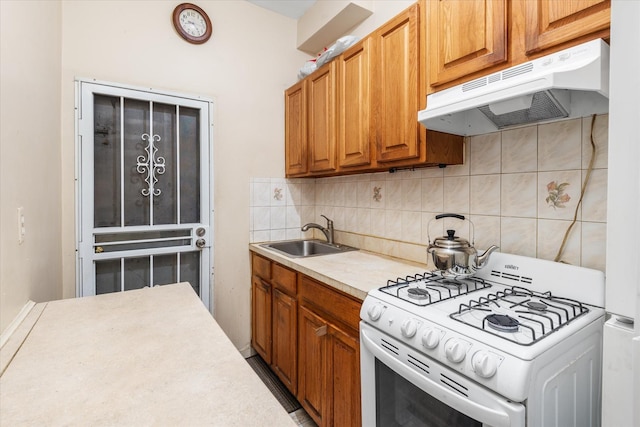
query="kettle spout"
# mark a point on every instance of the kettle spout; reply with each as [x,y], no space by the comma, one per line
[481,260]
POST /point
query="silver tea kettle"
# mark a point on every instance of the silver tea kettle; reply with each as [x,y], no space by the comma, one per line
[453,256]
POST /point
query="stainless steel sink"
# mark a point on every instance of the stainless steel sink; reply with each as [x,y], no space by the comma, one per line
[307,248]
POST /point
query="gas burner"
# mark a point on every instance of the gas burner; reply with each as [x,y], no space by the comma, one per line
[503,323]
[417,293]
[429,288]
[536,306]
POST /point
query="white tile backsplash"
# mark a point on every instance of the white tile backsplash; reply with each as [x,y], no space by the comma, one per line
[502,187]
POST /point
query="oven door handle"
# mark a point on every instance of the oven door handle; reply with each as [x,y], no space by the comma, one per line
[487,416]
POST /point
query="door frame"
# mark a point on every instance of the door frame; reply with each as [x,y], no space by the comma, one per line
[206,295]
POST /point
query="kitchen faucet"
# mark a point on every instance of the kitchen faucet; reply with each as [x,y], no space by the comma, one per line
[328,231]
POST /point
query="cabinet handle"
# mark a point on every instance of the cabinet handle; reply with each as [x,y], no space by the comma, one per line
[265,286]
[321,331]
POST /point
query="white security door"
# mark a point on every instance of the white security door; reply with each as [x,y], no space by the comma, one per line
[144,200]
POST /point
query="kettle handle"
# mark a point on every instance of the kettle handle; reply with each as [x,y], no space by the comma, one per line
[452,215]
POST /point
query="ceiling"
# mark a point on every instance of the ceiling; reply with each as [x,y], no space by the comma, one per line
[291,8]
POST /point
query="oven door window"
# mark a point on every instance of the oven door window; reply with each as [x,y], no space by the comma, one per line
[400,403]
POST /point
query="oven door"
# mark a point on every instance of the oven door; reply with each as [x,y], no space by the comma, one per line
[402,387]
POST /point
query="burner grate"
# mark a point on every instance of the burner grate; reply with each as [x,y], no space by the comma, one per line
[428,288]
[533,315]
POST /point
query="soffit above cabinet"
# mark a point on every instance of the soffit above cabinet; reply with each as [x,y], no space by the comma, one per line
[326,21]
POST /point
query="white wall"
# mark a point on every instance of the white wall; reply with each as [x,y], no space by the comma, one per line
[245,67]
[29,154]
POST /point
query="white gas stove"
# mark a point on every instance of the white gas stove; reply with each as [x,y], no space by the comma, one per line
[521,328]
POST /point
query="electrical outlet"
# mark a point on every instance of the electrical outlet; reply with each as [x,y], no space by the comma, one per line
[21,230]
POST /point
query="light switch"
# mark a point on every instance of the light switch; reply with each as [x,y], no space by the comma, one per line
[21,230]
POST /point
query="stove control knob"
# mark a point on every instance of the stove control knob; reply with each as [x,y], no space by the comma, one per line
[484,363]
[375,311]
[431,338]
[455,350]
[409,328]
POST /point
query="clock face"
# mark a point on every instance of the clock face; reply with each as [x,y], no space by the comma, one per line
[192,23]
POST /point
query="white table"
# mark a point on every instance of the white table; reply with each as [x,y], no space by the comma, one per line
[152,356]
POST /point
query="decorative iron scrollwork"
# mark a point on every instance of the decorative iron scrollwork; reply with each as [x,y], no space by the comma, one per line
[150,165]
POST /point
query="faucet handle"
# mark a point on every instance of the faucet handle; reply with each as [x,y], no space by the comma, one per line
[329,222]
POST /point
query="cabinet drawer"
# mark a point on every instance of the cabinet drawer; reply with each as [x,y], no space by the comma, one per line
[339,306]
[284,279]
[261,267]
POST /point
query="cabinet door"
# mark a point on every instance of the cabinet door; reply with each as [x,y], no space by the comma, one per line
[295,132]
[395,100]
[261,320]
[465,36]
[344,378]
[321,118]
[312,369]
[354,106]
[549,23]
[285,340]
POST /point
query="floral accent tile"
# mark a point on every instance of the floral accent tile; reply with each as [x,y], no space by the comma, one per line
[557,197]
[277,194]
[558,194]
[377,194]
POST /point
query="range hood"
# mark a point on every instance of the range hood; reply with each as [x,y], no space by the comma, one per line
[570,83]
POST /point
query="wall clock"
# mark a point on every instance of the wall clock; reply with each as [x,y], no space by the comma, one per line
[192,23]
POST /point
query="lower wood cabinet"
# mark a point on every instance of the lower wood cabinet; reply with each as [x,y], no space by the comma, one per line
[309,333]
[284,348]
[329,376]
[328,354]
[274,327]
[261,318]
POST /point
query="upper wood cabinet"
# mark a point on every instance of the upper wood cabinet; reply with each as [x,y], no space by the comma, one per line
[321,115]
[362,107]
[468,39]
[295,129]
[464,37]
[353,114]
[396,90]
[550,23]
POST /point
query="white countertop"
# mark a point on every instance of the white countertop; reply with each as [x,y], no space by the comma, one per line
[152,356]
[355,272]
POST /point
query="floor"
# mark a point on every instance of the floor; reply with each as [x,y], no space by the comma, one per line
[280,391]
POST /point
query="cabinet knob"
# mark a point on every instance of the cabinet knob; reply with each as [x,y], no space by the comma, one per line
[321,331]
